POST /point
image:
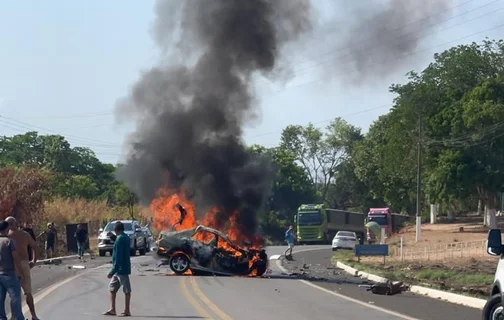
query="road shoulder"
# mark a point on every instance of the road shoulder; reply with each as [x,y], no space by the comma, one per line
[317,264]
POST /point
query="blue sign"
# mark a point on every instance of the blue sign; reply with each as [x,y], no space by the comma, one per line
[362,250]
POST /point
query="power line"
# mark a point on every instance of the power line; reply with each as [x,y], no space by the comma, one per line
[331,52]
[369,48]
[29,126]
[327,120]
[99,114]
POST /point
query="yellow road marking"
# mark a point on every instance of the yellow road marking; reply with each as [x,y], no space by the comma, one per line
[191,299]
[207,301]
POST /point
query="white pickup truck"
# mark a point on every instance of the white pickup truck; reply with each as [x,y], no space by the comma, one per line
[494,308]
[132,228]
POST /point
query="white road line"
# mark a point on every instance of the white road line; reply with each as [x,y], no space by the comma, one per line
[44,293]
[41,295]
[367,305]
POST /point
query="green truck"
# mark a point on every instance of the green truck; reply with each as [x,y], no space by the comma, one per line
[316,224]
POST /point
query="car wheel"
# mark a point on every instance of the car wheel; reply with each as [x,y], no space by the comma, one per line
[142,251]
[102,253]
[261,269]
[493,309]
[147,246]
[179,263]
[334,249]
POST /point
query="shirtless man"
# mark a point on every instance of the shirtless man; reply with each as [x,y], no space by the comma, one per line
[22,240]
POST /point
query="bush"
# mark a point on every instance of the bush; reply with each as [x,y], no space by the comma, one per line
[22,192]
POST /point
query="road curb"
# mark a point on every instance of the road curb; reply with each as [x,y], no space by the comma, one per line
[432,293]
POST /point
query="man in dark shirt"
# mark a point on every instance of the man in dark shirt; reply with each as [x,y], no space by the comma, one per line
[121,269]
[27,228]
[81,237]
[51,240]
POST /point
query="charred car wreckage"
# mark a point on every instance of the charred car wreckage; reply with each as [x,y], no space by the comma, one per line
[206,250]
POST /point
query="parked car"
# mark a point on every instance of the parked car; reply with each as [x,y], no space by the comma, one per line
[138,238]
[494,307]
[206,250]
[344,240]
[150,238]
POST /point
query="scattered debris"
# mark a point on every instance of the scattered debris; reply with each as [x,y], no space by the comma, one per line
[78,267]
[53,261]
[389,288]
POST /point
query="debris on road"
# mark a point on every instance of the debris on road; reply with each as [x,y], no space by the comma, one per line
[77,267]
[53,261]
[389,288]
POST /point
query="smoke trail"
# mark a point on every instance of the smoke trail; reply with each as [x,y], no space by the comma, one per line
[190,109]
[382,38]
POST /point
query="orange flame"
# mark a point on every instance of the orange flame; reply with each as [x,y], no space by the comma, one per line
[166,215]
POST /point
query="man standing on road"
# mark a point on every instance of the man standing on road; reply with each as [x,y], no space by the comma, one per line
[27,228]
[23,240]
[9,282]
[81,237]
[51,239]
[289,237]
[121,269]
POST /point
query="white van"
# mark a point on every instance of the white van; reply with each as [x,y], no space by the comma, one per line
[494,307]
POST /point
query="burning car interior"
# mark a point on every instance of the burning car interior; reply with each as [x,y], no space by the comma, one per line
[205,250]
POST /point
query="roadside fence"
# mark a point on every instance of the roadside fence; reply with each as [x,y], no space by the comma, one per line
[438,252]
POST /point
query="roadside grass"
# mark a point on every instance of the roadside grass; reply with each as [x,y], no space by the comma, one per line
[468,278]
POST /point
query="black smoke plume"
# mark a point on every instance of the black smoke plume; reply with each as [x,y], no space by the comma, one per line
[380,38]
[190,109]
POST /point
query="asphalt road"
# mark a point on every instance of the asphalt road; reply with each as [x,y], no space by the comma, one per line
[157,294]
[317,264]
[44,276]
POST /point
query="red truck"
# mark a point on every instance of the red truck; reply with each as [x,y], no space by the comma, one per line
[389,221]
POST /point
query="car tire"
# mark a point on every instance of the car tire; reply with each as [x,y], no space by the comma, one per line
[334,249]
[102,253]
[142,251]
[493,307]
[134,250]
[147,246]
[179,263]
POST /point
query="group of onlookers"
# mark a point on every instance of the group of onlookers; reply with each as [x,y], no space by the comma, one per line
[18,255]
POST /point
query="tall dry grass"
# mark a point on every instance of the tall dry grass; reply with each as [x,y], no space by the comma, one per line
[94,212]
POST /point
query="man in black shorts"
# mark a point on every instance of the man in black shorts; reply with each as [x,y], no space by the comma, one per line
[51,240]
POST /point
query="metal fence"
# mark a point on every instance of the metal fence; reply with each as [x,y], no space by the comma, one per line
[440,251]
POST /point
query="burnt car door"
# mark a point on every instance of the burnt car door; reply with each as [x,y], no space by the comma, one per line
[203,247]
[230,258]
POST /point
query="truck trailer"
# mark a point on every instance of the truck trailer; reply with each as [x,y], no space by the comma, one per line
[316,224]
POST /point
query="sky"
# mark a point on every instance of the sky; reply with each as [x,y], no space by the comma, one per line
[64,65]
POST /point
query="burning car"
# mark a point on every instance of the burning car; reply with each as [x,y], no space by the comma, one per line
[206,250]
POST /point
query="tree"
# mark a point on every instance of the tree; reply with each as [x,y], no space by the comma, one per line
[319,153]
[77,172]
[453,108]
[291,188]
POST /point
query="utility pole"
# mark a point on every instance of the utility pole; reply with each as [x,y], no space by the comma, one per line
[419,184]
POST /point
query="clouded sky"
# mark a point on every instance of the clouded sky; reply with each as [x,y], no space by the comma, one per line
[64,64]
